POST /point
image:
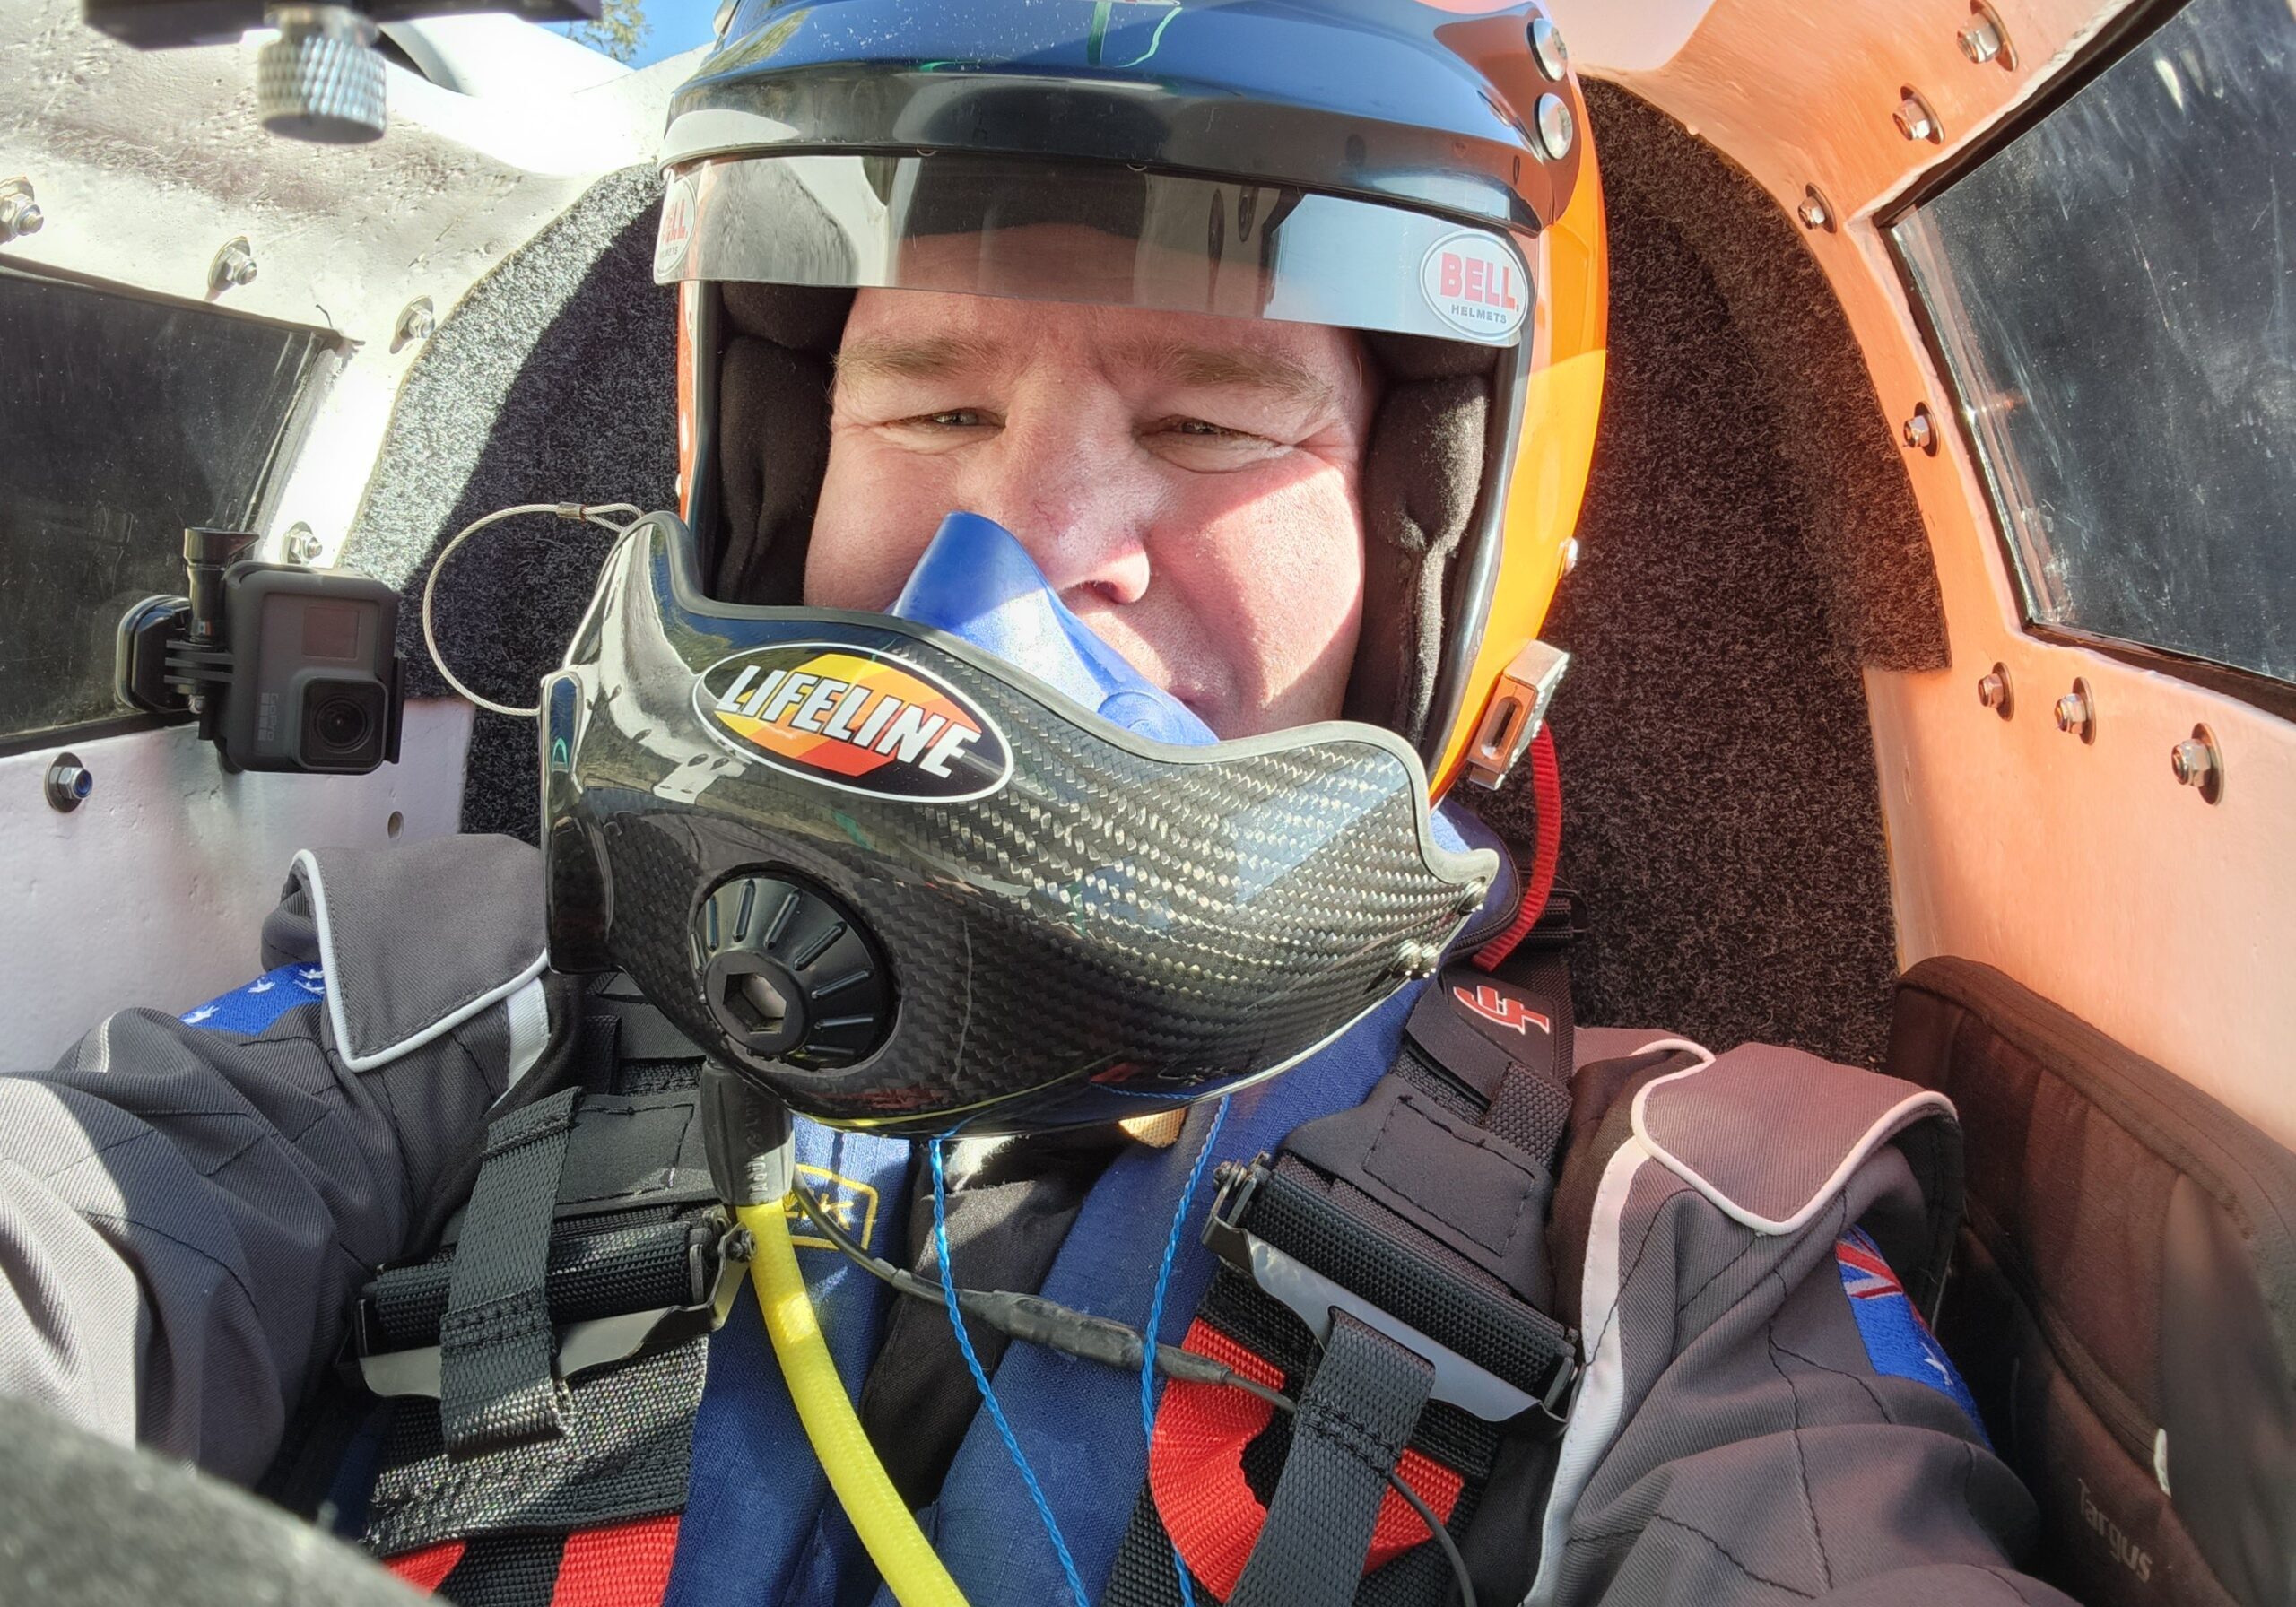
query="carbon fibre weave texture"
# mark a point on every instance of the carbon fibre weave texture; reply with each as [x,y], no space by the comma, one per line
[1105,932]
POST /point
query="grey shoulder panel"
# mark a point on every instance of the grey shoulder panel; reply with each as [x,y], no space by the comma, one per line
[418,939]
[1770,1134]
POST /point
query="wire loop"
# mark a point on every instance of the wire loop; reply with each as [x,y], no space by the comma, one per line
[580,512]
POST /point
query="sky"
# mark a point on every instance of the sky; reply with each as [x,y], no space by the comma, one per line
[674,27]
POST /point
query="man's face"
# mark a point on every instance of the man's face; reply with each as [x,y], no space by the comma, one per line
[1189,484]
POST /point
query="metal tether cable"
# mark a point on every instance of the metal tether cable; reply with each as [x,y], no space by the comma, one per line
[1035,1320]
[584,512]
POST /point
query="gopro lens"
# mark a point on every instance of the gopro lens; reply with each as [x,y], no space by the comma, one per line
[340,723]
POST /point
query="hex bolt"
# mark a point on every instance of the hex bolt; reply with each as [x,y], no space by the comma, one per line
[2076,713]
[234,265]
[68,784]
[301,545]
[1919,431]
[1984,39]
[1547,47]
[1557,127]
[20,214]
[1814,210]
[1914,118]
[1993,690]
[417,323]
[2197,762]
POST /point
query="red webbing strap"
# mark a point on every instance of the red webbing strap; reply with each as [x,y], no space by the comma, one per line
[1546,799]
[1196,1473]
[425,1568]
[621,1565]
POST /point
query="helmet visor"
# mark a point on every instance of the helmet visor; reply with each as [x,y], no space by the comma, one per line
[1100,234]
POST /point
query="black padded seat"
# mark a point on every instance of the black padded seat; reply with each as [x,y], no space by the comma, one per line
[2124,1299]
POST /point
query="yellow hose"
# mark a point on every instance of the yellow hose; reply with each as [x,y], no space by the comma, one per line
[905,1559]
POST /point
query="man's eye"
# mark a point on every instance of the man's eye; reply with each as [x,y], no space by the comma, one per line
[1203,430]
[954,418]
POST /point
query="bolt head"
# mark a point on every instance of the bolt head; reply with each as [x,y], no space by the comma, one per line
[68,784]
[1914,120]
[1547,47]
[1993,690]
[1920,431]
[417,322]
[1980,41]
[1557,127]
[302,545]
[234,265]
[20,215]
[2191,762]
[2072,713]
[1813,212]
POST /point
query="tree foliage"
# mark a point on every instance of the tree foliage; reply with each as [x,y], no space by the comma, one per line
[621,28]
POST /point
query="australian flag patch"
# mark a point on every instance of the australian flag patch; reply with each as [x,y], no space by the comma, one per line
[250,1010]
[1897,1340]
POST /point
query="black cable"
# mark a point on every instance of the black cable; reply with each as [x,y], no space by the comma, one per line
[1036,1320]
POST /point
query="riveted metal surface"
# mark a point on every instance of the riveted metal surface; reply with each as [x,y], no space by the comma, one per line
[1118,927]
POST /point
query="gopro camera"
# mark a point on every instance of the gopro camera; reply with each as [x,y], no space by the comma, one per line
[286,668]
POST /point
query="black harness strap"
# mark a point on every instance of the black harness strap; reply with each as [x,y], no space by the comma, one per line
[547,1361]
[1355,1419]
[498,1378]
[1412,1226]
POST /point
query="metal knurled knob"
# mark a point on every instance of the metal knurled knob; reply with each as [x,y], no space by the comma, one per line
[322,78]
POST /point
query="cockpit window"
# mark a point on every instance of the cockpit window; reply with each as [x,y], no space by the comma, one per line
[2115,293]
[124,421]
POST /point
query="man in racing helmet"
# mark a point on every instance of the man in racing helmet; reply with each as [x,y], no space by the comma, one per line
[1296,446]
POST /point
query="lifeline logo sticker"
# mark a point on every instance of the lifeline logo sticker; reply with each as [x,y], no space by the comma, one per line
[1475,285]
[851,720]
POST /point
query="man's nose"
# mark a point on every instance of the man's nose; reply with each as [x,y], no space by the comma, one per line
[1066,486]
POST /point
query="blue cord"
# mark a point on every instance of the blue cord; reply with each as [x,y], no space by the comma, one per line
[1156,1313]
[980,1381]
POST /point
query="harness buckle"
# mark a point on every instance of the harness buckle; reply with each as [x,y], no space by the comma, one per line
[1314,1299]
[715,1269]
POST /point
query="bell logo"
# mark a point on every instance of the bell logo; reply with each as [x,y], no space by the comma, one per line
[1477,286]
[677,228]
[1508,1011]
[853,718]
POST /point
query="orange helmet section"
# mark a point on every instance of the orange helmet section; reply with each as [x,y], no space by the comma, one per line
[688,382]
[1562,399]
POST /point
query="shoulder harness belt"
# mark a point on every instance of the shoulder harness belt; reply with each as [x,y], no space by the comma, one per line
[1387,1269]
[545,1363]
